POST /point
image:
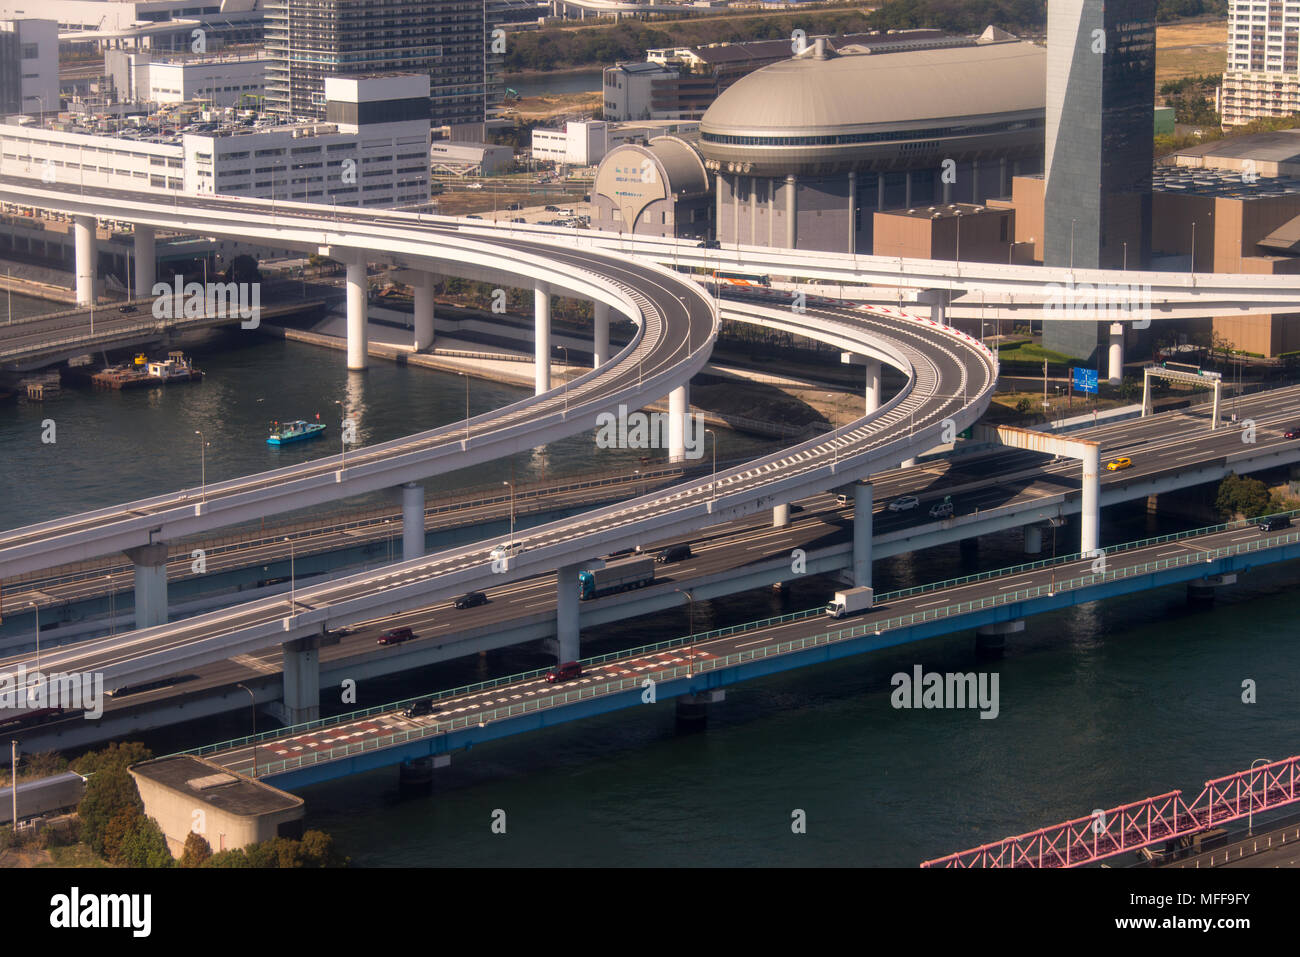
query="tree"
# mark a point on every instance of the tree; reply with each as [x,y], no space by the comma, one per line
[116,755]
[1239,495]
[108,793]
[232,858]
[197,850]
[318,850]
[145,845]
[115,833]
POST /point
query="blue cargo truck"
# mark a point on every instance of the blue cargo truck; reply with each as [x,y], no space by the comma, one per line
[616,577]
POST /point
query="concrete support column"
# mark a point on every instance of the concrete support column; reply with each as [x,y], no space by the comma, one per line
[301,681]
[84,240]
[1033,540]
[150,584]
[1090,515]
[861,534]
[753,212]
[717,216]
[735,208]
[146,263]
[791,211]
[873,385]
[939,313]
[1146,393]
[1115,354]
[567,628]
[600,341]
[853,207]
[947,192]
[679,407]
[880,191]
[412,521]
[907,189]
[1214,414]
[358,341]
[990,640]
[975,181]
[693,709]
[541,338]
[423,320]
[781,516]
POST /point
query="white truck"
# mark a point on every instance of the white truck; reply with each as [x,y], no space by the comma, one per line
[850,602]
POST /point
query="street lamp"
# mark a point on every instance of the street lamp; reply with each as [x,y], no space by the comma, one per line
[254,701]
[512,511]
[1250,815]
[343,433]
[713,482]
[465,375]
[292,592]
[203,465]
[37,609]
[690,631]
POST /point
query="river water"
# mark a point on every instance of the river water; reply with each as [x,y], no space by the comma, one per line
[1098,705]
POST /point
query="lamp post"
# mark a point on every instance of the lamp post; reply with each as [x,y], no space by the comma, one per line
[690,631]
[343,433]
[465,375]
[293,598]
[713,482]
[1250,815]
[203,465]
[565,389]
[512,511]
[253,699]
[1193,269]
[37,608]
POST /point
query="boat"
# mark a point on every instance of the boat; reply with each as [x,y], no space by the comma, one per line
[283,433]
[142,373]
[175,368]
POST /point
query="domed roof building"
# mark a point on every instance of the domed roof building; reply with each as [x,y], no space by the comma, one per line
[806,150]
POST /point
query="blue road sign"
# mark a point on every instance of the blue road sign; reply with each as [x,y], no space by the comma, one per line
[1085,380]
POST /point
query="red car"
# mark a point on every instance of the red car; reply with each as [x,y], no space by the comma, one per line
[396,636]
[570,669]
[1293,432]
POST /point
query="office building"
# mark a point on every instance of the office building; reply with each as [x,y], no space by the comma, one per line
[29,66]
[1097,194]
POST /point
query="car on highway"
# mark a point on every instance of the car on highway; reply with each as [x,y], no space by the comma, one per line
[471,600]
[513,206]
[518,219]
[942,509]
[128,309]
[396,636]
[570,669]
[1274,523]
[418,709]
[674,553]
[552,209]
[474,186]
[473,216]
[506,550]
[843,501]
[904,503]
[1114,465]
[708,244]
[1292,432]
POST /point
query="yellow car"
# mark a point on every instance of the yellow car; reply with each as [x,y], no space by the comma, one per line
[1117,464]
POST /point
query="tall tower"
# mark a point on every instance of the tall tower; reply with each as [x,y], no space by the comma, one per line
[1100,102]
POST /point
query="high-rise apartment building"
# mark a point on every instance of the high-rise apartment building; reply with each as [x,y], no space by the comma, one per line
[1099,150]
[309,40]
[1262,76]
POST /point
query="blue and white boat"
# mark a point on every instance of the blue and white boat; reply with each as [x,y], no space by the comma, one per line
[282,433]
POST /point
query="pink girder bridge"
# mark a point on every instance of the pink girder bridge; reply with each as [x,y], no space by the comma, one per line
[1131,827]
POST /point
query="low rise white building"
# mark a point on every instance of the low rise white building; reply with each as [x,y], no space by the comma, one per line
[587,143]
[218,80]
[369,155]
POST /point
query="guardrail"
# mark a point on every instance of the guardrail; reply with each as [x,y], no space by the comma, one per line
[876,628]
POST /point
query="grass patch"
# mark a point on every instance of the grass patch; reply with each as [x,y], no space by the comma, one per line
[77,855]
[1031,352]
